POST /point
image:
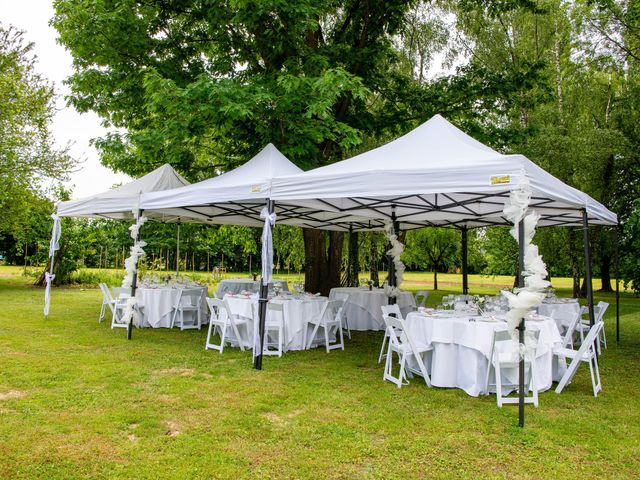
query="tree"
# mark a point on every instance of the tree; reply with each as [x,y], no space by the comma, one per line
[28,157]
[205,88]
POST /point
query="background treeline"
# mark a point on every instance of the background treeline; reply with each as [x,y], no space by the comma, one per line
[205,88]
[105,244]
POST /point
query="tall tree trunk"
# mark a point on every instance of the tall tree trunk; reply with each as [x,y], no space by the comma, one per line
[373,264]
[334,262]
[435,278]
[314,265]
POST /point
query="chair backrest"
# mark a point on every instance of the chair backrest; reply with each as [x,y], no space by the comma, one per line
[421,298]
[398,334]
[332,311]
[391,310]
[190,297]
[278,312]
[568,336]
[215,304]
[503,336]
[121,292]
[602,308]
[106,294]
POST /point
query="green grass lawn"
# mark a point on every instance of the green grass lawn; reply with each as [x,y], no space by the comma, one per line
[77,400]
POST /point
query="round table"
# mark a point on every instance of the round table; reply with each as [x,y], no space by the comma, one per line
[461,350]
[158,303]
[298,310]
[239,285]
[363,307]
[562,311]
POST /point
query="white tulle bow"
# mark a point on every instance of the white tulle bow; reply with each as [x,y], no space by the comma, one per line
[267,245]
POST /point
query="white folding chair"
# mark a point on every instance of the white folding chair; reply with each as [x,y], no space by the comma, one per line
[330,320]
[222,319]
[586,353]
[394,311]
[421,298]
[567,341]
[601,309]
[273,328]
[500,358]
[345,320]
[190,303]
[402,343]
[107,301]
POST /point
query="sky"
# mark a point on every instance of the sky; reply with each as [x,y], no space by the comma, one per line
[54,63]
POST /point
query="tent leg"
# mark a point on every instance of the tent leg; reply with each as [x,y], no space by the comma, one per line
[178,251]
[521,327]
[393,280]
[465,274]
[262,307]
[134,283]
[587,260]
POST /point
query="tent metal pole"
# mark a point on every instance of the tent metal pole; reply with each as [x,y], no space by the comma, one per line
[178,251]
[587,260]
[617,260]
[262,306]
[521,327]
[465,274]
[134,282]
[392,268]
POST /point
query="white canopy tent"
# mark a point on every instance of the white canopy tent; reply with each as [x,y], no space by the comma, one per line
[438,175]
[238,196]
[118,203]
[123,201]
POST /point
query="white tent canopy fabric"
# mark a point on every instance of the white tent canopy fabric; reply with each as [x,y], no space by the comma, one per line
[438,175]
[238,197]
[122,201]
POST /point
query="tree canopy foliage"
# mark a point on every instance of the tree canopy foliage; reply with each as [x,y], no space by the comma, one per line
[28,157]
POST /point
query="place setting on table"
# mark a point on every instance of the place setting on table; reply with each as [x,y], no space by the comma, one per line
[161,299]
[298,307]
[362,307]
[240,285]
[461,333]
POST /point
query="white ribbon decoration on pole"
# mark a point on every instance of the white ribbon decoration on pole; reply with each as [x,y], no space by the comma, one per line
[535,270]
[54,245]
[267,245]
[395,251]
[130,266]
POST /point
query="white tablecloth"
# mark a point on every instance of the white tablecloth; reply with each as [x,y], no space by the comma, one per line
[461,350]
[158,305]
[239,285]
[562,312]
[297,312]
[363,308]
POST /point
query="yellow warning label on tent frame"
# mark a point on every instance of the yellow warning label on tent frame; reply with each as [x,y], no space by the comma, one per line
[500,179]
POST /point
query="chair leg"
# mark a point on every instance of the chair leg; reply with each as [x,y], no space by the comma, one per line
[223,336]
[102,310]
[498,385]
[341,336]
[402,375]
[211,329]
[604,337]
[384,341]
[326,338]
[533,384]
[314,331]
